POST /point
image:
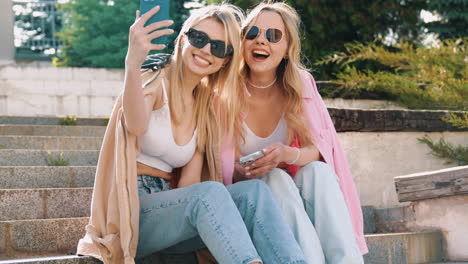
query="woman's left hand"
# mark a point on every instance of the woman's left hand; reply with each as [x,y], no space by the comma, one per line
[274,155]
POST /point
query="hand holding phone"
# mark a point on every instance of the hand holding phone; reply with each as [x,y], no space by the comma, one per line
[162,14]
[250,158]
[139,37]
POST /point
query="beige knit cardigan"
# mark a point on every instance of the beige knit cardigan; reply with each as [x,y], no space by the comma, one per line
[112,231]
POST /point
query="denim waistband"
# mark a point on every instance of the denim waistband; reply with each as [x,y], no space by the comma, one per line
[150,184]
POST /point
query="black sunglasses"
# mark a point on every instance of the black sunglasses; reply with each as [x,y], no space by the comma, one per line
[199,39]
[273,35]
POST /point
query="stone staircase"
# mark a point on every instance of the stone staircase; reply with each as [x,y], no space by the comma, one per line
[44,209]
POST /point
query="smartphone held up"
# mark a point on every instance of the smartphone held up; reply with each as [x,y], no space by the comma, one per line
[162,14]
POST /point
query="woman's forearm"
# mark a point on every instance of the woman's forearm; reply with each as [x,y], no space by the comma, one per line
[191,172]
[301,156]
[134,105]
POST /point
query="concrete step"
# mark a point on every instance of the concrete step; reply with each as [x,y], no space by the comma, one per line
[404,248]
[33,237]
[21,157]
[50,121]
[51,142]
[31,177]
[73,259]
[23,204]
[33,240]
[37,238]
[43,130]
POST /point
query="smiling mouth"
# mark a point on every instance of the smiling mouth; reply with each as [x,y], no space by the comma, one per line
[201,60]
[260,54]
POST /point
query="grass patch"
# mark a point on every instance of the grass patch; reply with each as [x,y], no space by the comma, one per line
[59,161]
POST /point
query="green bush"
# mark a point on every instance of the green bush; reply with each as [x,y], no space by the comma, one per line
[68,121]
[447,151]
[416,77]
[59,161]
[460,121]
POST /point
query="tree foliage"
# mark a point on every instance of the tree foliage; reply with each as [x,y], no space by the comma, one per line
[95,32]
[454,22]
[415,76]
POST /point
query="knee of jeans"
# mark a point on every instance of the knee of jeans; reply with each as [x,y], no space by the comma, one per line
[279,179]
[253,189]
[318,171]
[212,190]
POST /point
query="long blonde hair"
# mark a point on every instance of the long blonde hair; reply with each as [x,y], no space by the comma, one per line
[220,89]
[288,71]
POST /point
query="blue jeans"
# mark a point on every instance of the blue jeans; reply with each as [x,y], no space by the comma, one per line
[314,208]
[239,223]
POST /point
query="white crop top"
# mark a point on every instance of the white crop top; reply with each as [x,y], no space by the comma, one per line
[254,143]
[158,148]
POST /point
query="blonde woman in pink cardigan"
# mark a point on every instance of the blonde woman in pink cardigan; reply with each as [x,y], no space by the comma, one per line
[303,162]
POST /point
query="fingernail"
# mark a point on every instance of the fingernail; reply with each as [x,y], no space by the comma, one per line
[247,168]
[264,150]
[171,31]
[247,174]
[253,164]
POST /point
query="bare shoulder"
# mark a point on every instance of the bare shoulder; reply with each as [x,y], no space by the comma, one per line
[152,82]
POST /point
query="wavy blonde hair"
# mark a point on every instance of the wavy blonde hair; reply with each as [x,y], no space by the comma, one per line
[289,69]
[221,89]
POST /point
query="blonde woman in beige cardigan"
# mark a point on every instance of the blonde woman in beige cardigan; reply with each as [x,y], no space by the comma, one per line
[169,128]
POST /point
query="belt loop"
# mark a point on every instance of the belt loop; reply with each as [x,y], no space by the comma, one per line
[145,183]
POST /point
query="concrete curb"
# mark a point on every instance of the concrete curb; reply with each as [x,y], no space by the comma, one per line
[26,177]
[20,157]
[42,130]
[43,120]
[22,204]
[404,248]
[50,143]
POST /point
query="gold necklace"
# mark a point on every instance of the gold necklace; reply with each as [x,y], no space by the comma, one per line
[262,87]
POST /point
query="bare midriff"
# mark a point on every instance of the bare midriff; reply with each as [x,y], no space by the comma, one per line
[143,169]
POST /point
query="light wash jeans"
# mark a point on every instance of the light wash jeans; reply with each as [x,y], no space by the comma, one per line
[212,215]
[314,208]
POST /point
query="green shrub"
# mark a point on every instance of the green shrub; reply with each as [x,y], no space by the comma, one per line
[446,150]
[460,121]
[59,161]
[416,77]
[68,121]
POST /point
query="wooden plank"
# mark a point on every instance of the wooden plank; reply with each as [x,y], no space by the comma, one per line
[433,184]
[429,194]
[461,185]
[454,172]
